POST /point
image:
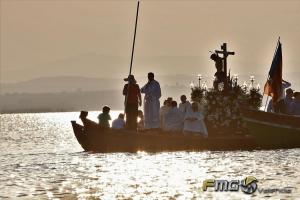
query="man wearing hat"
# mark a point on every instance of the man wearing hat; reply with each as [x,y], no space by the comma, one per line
[133,100]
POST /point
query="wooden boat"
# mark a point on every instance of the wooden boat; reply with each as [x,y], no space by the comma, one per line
[265,131]
[273,131]
[99,140]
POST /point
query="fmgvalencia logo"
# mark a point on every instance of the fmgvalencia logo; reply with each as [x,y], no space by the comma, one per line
[247,185]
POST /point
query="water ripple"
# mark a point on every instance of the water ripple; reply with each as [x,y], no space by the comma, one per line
[42,160]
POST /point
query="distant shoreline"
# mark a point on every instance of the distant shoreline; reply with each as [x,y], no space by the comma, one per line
[35,111]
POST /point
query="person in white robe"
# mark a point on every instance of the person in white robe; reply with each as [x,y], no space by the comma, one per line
[194,122]
[162,112]
[151,102]
[174,119]
[184,106]
[119,123]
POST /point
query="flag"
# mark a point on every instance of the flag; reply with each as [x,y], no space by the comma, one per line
[273,86]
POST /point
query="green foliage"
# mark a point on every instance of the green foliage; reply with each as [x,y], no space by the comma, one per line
[254,99]
[197,94]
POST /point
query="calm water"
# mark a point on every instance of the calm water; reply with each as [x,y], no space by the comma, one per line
[41,159]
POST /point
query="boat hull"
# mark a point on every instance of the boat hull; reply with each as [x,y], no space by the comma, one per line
[264,131]
[273,130]
[105,141]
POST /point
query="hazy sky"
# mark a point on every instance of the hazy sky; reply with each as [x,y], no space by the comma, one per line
[93,38]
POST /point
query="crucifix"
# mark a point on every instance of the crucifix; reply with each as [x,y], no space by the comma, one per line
[225,54]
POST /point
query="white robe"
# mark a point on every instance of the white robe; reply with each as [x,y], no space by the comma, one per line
[162,112]
[118,123]
[197,126]
[174,120]
[151,104]
[185,107]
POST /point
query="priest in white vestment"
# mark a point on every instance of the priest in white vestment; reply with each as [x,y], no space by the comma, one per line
[162,112]
[194,122]
[185,105]
[174,119]
[151,102]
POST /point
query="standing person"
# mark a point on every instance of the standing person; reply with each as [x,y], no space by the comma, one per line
[104,117]
[194,122]
[185,105]
[133,100]
[151,102]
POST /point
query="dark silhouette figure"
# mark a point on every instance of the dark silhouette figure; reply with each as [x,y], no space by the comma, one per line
[104,118]
[88,124]
[220,75]
[133,100]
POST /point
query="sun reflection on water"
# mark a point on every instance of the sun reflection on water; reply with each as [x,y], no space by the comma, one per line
[43,160]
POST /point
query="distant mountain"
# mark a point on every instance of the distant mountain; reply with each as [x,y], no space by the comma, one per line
[61,84]
[82,93]
[77,83]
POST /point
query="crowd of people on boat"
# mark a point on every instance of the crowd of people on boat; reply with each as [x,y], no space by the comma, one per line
[184,118]
[170,117]
[289,104]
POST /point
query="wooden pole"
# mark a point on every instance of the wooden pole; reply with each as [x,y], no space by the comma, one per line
[132,54]
[133,44]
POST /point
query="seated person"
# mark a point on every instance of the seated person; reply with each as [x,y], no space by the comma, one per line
[296,104]
[141,121]
[185,105]
[119,123]
[174,119]
[162,112]
[193,122]
[288,101]
[104,117]
[87,123]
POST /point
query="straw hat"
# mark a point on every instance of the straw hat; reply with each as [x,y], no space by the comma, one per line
[129,78]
